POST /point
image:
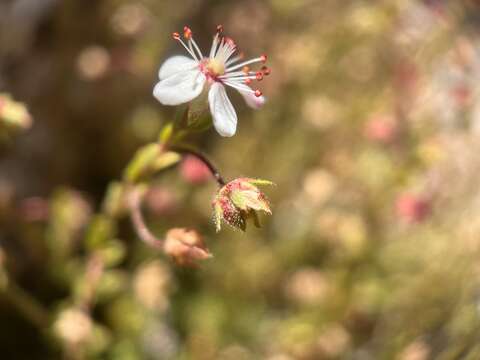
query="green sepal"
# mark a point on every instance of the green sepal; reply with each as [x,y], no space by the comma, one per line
[260,182]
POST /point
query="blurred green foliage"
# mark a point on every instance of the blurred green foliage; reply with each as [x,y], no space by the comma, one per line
[370,133]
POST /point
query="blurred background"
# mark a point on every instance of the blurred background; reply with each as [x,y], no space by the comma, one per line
[371,133]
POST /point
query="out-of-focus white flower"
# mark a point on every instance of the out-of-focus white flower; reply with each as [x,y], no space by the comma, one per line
[182,79]
[73,326]
[93,62]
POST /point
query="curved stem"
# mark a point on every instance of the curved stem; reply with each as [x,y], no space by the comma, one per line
[188,150]
[139,223]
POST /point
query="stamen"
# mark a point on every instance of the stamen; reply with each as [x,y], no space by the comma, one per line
[190,51]
[232,48]
[258,93]
[248,81]
[238,74]
[259,59]
[236,78]
[219,48]
[219,29]
[187,33]
[176,36]
[239,86]
[229,41]
[235,59]
[197,48]
[225,50]
[259,76]
[266,70]
[213,49]
[246,69]
[263,58]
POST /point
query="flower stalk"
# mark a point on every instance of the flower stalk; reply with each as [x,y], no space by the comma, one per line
[182,149]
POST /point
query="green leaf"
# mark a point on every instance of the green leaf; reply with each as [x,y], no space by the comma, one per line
[165,160]
[142,162]
[166,133]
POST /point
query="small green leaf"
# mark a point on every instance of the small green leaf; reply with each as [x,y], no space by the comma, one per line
[142,162]
[165,160]
[166,133]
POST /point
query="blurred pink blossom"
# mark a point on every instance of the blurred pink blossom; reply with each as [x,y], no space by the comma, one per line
[161,201]
[412,208]
[194,170]
[382,129]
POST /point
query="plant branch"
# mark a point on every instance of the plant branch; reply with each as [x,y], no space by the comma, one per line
[191,151]
[135,200]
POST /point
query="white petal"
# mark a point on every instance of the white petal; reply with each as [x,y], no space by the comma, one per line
[223,113]
[176,64]
[253,101]
[180,87]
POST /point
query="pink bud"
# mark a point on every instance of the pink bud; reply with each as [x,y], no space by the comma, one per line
[194,171]
[412,208]
[381,129]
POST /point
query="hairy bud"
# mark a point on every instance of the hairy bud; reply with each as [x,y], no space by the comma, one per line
[185,246]
[239,200]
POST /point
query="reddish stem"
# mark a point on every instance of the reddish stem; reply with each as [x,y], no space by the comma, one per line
[213,170]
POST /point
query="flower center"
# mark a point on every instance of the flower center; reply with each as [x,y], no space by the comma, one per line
[215,67]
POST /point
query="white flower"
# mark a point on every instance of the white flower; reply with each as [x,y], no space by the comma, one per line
[182,78]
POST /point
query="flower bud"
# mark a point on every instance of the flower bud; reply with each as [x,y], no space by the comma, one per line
[194,171]
[239,200]
[185,246]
